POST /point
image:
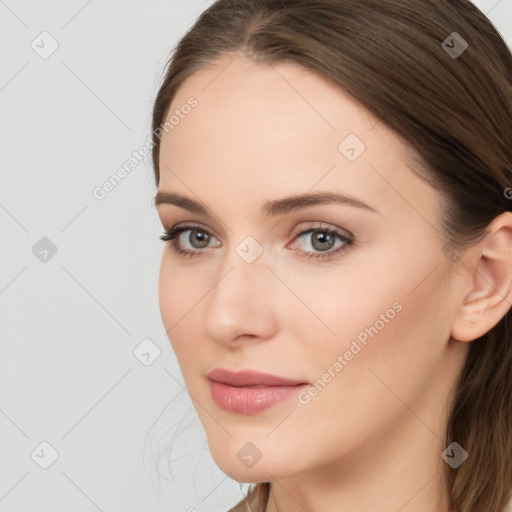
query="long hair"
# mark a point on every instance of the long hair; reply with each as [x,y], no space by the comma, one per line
[439,74]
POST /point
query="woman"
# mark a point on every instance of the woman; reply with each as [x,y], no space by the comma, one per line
[333,180]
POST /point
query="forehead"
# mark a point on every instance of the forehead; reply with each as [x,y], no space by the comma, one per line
[268,104]
[265,130]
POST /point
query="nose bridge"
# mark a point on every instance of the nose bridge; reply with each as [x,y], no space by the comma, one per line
[244,268]
[239,283]
[238,302]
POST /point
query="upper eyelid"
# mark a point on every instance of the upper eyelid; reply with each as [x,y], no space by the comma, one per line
[190,226]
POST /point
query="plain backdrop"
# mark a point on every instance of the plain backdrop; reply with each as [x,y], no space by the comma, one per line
[92,404]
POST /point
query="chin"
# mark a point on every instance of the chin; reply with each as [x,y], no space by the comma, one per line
[247,476]
[260,472]
[244,462]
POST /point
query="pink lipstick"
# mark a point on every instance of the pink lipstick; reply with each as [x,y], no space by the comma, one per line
[249,391]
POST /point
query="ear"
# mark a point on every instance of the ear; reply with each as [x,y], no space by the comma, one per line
[489,280]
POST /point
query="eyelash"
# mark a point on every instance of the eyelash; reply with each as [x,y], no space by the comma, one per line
[171,235]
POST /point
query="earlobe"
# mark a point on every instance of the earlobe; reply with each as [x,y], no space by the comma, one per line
[489,278]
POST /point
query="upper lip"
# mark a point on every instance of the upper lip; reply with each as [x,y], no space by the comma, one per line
[250,378]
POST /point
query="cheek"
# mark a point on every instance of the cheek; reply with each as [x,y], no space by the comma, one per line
[369,323]
[392,294]
[331,307]
[179,289]
[389,343]
[178,292]
[169,289]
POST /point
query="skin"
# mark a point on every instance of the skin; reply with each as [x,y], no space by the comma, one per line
[371,439]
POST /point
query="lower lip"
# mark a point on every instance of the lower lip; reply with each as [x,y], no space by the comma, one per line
[250,400]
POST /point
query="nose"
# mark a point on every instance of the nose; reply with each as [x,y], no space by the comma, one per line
[240,306]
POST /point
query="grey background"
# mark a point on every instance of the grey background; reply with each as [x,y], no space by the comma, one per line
[71,321]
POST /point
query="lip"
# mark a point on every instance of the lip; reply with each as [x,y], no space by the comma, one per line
[249,391]
[250,378]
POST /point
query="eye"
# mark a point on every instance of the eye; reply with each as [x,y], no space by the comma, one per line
[198,238]
[321,242]
[191,240]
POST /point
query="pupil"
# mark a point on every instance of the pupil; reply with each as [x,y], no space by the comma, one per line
[201,238]
[323,238]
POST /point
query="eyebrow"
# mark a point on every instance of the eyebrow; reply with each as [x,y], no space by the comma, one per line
[270,208]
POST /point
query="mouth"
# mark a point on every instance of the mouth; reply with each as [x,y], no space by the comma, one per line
[249,392]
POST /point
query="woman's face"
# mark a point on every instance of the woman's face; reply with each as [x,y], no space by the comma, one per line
[349,297]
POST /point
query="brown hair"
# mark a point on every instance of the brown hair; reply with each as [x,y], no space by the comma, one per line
[454,110]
